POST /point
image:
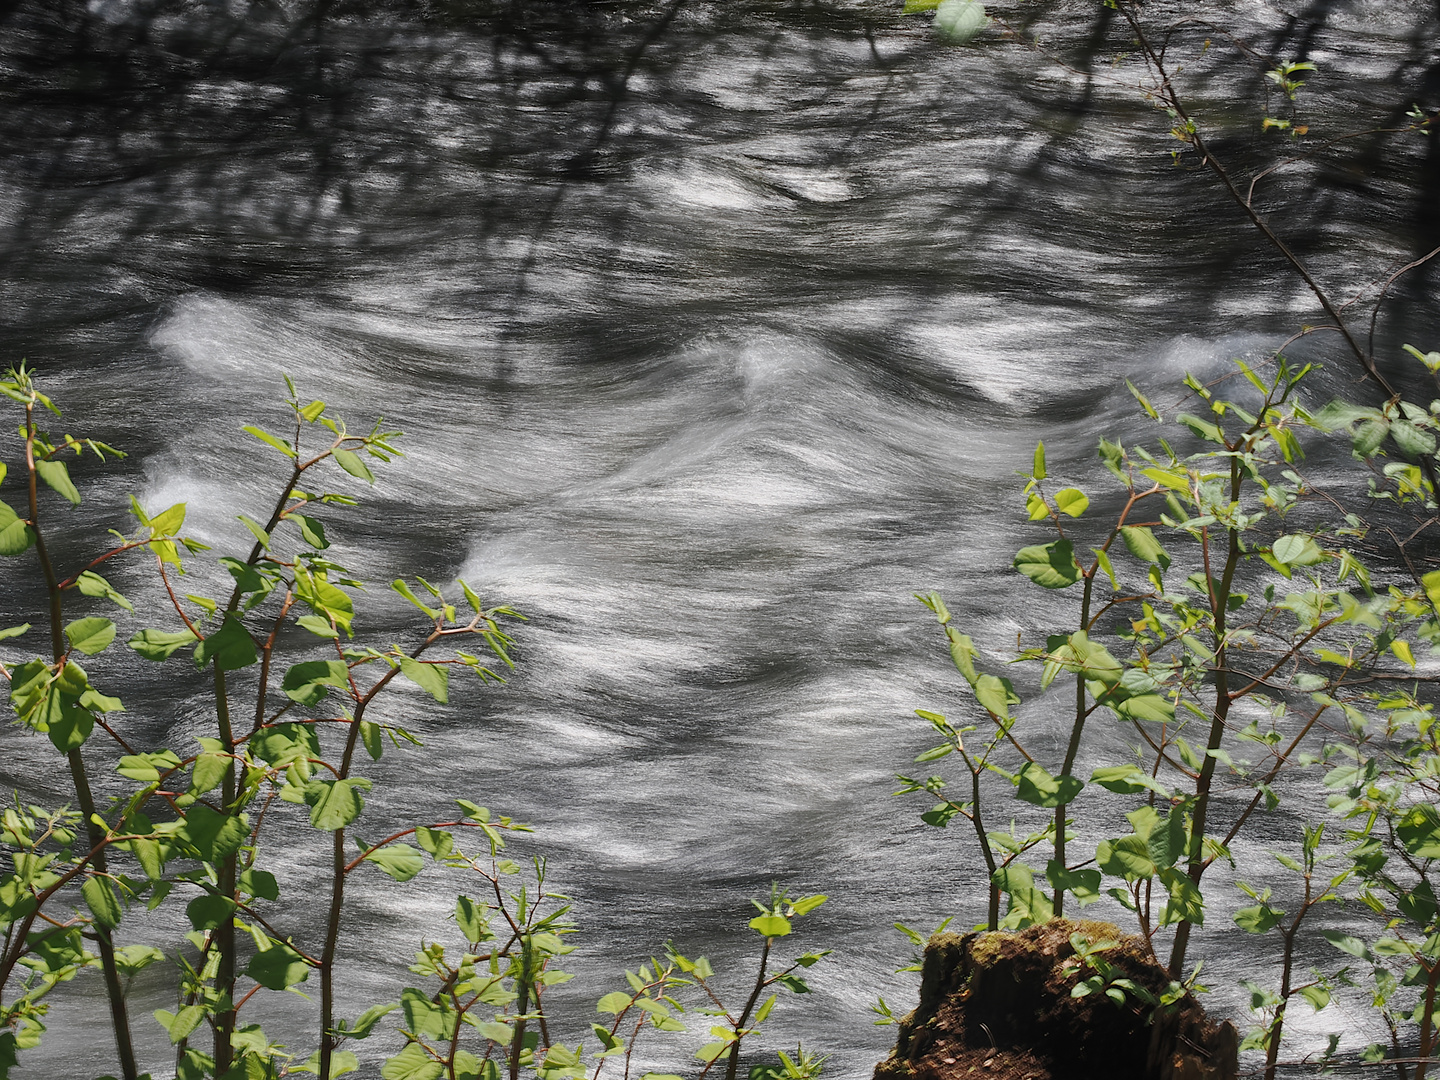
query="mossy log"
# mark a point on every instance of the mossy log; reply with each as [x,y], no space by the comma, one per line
[999,1005]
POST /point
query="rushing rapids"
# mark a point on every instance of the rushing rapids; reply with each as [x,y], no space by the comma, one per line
[717,329]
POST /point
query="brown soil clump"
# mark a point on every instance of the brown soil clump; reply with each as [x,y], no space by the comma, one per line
[998,1006]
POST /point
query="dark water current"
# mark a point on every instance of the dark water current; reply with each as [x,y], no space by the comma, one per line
[716,330]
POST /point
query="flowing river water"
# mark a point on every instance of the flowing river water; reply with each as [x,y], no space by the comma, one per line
[716,330]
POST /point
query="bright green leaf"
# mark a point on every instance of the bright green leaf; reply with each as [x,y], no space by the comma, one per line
[770,925]
[1050,565]
[92,584]
[278,967]
[352,464]
[160,644]
[100,898]
[308,682]
[434,680]
[265,437]
[57,476]
[1071,501]
[90,636]
[401,861]
[231,647]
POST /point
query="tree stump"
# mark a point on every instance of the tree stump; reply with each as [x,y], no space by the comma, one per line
[999,1006]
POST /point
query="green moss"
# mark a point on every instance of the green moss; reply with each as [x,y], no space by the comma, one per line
[988,947]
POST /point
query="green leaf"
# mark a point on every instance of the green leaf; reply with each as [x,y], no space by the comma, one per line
[401,861]
[1113,456]
[90,636]
[335,803]
[1037,787]
[1093,660]
[247,578]
[434,680]
[15,536]
[371,735]
[213,834]
[278,967]
[1071,501]
[209,911]
[401,587]
[231,647]
[308,683]
[146,768]
[1431,582]
[1127,780]
[963,651]
[1412,440]
[1419,831]
[1143,400]
[1083,884]
[958,21]
[313,530]
[613,1003]
[209,772]
[1348,944]
[317,626]
[100,898]
[30,693]
[771,926]
[69,730]
[1037,470]
[170,521]
[260,884]
[132,959]
[16,631]
[1258,919]
[1185,904]
[341,1062]
[159,644]
[1149,707]
[807,904]
[1027,903]
[180,1025]
[422,1016]
[1050,565]
[996,695]
[1176,481]
[1368,437]
[365,1023]
[1127,857]
[57,476]
[411,1063]
[1295,550]
[1141,542]
[265,437]
[255,530]
[470,917]
[437,843]
[351,463]
[92,584]
[325,599]
[1202,428]
[495,1032]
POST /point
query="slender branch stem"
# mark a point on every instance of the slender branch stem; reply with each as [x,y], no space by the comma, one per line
[114,988]
[733,1063]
